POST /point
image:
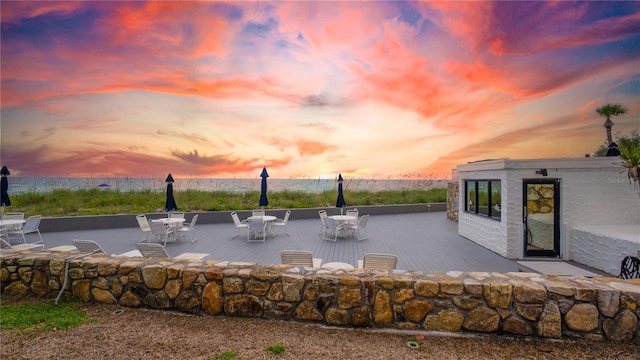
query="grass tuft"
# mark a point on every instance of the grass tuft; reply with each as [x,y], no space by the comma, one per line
[42,316]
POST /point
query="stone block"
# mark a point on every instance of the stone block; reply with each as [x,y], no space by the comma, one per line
[445,320]
[582,317]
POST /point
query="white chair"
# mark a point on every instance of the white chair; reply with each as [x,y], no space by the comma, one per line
[332,229]
[300,258]
[258,212]
[12,216]
[323,217]
[158,251]
[352,212]
[257,228]
[189,228]
[161,232]
[5,246]
[176,215]
[378,262]
[92,247]
[239,224]
[143,223]
[32,225]
[282,223]
[360,228]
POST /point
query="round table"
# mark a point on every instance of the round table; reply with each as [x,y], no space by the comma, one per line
[338,265]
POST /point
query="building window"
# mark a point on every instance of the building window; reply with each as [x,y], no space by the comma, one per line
[483,197]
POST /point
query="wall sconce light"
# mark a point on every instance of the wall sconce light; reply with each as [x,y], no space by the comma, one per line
[542,172]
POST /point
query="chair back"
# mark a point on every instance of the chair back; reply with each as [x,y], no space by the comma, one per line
[152,250]
[192,225]
[32,224]
[298,258]
[13,215]
[379,261]
[352,212]
[87,246]
[362,222]
[330,223]
[158,228]
[236,219]
[257,212]
[286,216]
[256,224]
[177,215]
[323,216]
[143,223]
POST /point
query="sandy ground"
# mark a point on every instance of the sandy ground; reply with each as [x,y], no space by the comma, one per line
[123,333]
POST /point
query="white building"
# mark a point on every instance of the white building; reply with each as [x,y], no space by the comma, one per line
[582,209]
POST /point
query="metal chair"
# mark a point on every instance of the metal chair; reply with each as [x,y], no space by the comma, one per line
[323,217]
[378,262]
[299,258]
[32,225]
[5,246]
[282,223]
[360,228]
[258,212]
[239,224]
[143,223]
[256,227]
[189,228]
[158,251]
[332,229]
[161,232]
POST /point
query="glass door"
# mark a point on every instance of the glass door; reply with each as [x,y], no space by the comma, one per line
[541,217]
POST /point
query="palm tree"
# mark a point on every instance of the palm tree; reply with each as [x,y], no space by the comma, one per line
[608,111]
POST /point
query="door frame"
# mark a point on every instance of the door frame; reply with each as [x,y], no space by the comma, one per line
[555,253]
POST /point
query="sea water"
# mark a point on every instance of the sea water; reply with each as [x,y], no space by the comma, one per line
[47,184]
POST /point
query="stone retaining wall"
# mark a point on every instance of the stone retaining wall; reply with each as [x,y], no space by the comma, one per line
[525,304]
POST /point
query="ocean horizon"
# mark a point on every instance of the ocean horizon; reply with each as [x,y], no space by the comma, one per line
[19,184]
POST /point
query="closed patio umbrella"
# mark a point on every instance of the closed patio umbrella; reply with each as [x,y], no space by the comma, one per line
[170,204]
[4,188]
[340,203]
[263,188]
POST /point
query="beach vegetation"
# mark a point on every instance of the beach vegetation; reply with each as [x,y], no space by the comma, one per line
[63,202]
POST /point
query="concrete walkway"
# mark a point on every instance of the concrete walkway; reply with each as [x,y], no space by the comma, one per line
[426,242]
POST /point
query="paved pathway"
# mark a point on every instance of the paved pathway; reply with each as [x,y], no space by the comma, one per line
[422,241]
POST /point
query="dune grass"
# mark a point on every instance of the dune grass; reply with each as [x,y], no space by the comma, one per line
[98,201]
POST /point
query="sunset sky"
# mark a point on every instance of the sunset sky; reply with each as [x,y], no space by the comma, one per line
[369,89]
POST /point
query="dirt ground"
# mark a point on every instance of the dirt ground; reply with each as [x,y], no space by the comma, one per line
[123,333]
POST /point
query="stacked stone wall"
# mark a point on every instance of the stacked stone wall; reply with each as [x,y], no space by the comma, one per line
[453,198]
[524,304]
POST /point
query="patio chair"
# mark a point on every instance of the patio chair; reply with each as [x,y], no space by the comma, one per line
[258,212]
[323,217]
[256,228]
[300,258]
[32,225]
[378,262]
[12,216]
[143,223]
[630,268]
[5,246]
[239,224]
[176,215]
[332,229]
[161,232]
[189,228]
[360,228]
[92,247]
[158,251]
[282,223]
[352,212]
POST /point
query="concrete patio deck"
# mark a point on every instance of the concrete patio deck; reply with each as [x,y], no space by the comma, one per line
[426,242]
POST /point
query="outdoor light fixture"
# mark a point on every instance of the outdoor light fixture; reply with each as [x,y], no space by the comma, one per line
[542,172]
